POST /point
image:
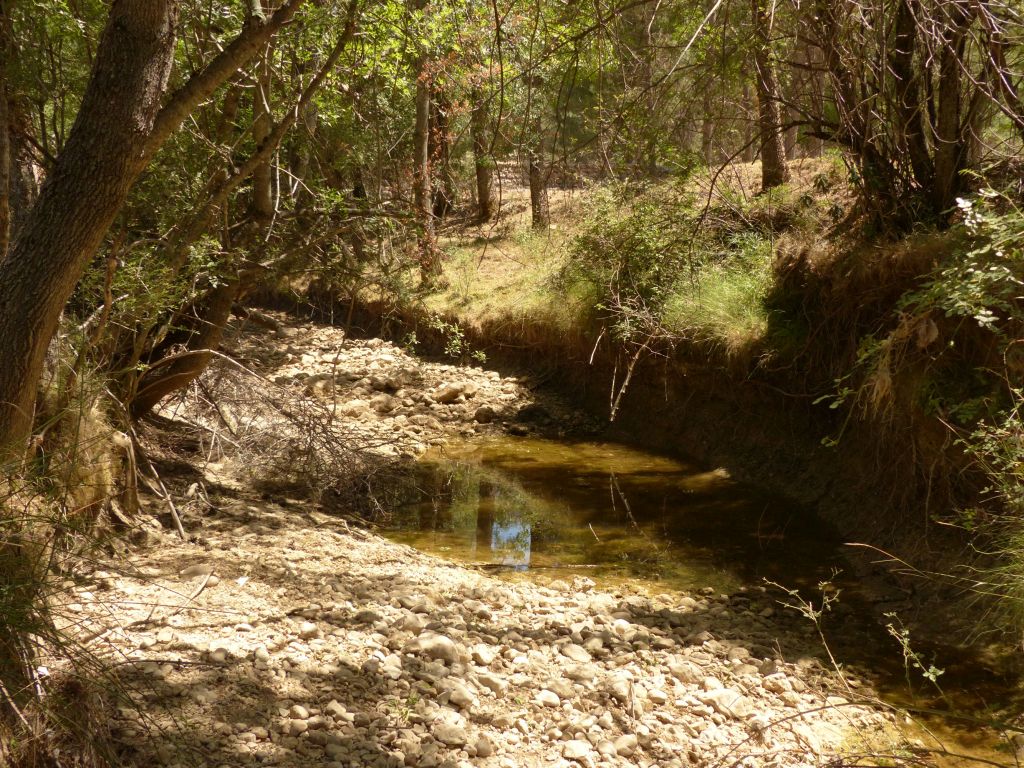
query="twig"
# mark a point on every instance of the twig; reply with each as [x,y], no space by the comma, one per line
[163,488]
[198,591]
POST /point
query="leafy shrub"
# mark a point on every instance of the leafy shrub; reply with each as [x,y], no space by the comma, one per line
[660,274]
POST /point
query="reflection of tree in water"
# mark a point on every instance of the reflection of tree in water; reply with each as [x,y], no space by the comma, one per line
[493,514]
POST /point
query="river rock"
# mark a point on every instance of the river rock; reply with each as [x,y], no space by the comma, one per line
[493,683]
[576,749]
[581,673]
[452,735]
[728,702]
[686,672]
[576,653]
[435,646]
[485,414]
[448,393]
[626,744]
[546,698]
[484,746]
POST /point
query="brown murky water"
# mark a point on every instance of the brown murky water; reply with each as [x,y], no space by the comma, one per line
[544,509]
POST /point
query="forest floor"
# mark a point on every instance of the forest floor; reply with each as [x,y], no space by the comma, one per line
[278,634]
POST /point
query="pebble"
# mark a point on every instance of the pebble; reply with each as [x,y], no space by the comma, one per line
[484,746]
[452,735]
[546,698]
[576,749]
[626,744]
[576,653]
[435,646]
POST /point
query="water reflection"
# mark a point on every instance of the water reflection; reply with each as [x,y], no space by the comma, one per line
[609,510]
[510,543]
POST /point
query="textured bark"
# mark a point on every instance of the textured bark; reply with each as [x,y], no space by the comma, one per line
[428,256]
[483,162]
[90,181]
[119,127]
[909,94]
[774,170]
[950,147]
[6,51]
[24,174]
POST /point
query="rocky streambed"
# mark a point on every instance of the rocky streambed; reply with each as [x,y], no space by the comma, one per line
[279,635]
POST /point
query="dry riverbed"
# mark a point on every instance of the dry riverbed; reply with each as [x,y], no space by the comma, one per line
[281,636]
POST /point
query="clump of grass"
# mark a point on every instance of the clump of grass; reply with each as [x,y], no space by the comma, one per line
[724,303]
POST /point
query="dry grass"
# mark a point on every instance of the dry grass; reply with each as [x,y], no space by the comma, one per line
[504,267]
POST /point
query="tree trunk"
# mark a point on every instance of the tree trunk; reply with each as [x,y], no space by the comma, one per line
[24,174]
[90,181]
[5,127]
[359,198]
[538,191]
[707,129]
[909,95]
[774,170]
[183,368]
[749,121]
[483,162]
[262,124]
[119,127]
[440,153]
[647,52]
[429,264]
[950,150]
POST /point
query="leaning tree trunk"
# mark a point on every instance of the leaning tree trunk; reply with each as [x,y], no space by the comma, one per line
[119,127]
[179,370]
[774,170]
[104,154]
[483,162]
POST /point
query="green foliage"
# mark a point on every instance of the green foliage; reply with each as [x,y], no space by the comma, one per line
[986,283]
[456,346]
[659,273]
[725,303]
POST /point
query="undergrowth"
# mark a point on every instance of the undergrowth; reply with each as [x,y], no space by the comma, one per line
[664,265]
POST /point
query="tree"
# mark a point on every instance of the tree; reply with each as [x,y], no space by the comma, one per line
[774,170]
[122,122]
[422,203]
[483,159]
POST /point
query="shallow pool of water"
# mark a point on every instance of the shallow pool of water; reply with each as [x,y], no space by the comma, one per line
[610,512]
